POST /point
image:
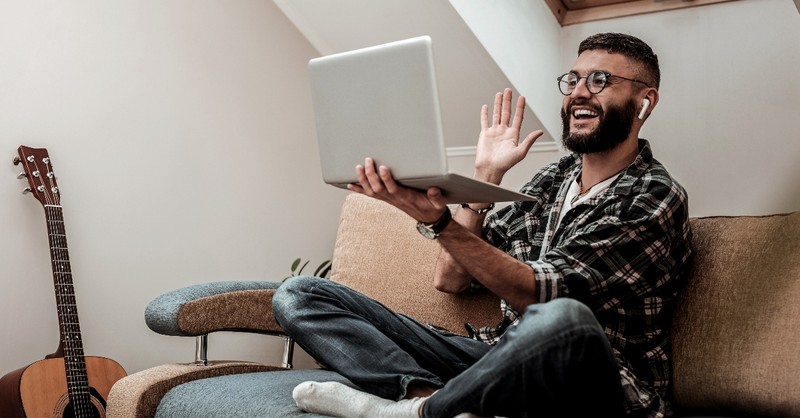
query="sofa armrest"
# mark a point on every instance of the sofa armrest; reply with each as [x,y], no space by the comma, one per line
[139,394]
[216,306]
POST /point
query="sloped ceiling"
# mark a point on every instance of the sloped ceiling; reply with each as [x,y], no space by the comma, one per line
[467,75]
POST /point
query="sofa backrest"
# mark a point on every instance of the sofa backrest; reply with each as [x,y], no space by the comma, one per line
[379,252]
[736,329]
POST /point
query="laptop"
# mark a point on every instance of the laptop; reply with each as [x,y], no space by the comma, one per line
[381,102]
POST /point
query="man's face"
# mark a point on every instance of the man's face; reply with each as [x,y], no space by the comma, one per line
[599,122]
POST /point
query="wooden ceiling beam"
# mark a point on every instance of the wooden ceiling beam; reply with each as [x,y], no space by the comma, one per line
[565,16]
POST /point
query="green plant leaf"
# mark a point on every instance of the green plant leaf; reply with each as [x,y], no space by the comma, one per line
[295,264]
[301,268]
[323,269]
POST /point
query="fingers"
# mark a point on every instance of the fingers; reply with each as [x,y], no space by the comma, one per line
[358,187]
[373,180]
[498,106]
[527,143]
[436,198]
[379,183]
[501,113]
[369,182]
[505,114]
[519,113]
[387,179]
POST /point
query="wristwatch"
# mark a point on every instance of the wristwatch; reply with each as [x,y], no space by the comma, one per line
[431,231]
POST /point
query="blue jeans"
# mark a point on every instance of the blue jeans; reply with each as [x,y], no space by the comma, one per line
[556,362]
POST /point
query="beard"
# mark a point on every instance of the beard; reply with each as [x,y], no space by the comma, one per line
[614,127]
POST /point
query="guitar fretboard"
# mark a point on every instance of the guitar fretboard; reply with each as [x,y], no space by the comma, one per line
[74,361]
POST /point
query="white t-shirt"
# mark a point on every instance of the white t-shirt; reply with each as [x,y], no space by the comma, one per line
[574,197]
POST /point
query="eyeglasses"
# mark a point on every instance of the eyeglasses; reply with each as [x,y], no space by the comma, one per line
[596,81]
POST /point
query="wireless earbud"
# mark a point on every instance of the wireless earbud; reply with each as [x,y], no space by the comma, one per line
[645,105]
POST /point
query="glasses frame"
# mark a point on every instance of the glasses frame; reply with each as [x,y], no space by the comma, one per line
[592,75]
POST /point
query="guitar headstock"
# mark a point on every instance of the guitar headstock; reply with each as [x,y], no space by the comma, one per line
[39,172]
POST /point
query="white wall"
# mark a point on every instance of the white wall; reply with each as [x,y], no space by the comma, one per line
[181,135]
[726,124]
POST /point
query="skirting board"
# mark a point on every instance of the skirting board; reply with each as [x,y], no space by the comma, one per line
[544,146]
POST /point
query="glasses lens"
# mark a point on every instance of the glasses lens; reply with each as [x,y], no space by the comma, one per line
[567,83]
[596,81]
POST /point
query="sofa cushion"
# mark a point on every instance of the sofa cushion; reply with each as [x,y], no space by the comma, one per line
[250,395]
[379,252]
[736,330]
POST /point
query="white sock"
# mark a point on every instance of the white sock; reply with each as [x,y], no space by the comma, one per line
[339,400]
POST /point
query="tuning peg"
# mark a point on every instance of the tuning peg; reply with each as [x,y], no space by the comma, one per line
[21,175]
[26,190]
[16,160]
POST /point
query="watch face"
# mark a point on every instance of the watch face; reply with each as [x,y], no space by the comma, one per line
[426,231]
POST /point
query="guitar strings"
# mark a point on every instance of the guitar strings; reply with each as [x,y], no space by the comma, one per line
[74,362]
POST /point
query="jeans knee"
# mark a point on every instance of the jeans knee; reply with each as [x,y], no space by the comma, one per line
[557,316]
[290,295]
[569,310]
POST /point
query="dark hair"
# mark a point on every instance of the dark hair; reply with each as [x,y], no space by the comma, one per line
[629,46]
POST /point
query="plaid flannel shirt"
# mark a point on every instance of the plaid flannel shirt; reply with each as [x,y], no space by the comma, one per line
[623,253]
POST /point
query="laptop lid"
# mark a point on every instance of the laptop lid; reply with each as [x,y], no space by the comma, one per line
[379,102]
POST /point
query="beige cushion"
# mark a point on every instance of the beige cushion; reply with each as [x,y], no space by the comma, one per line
[379,252]
[736,332]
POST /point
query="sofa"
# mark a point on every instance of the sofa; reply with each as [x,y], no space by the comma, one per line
[735,332]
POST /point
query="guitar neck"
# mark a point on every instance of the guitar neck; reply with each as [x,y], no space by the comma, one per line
[69,325]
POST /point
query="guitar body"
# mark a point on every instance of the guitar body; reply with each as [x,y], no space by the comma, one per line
[40,389]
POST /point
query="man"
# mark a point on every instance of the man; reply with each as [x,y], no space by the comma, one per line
[587,273]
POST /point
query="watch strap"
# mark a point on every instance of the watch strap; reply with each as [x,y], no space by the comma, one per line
[432,231]
[438,226]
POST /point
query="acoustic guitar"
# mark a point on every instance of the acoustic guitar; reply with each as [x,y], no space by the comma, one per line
[66,383]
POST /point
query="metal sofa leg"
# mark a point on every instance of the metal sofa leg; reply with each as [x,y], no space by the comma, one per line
[201,350]
[288,352]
